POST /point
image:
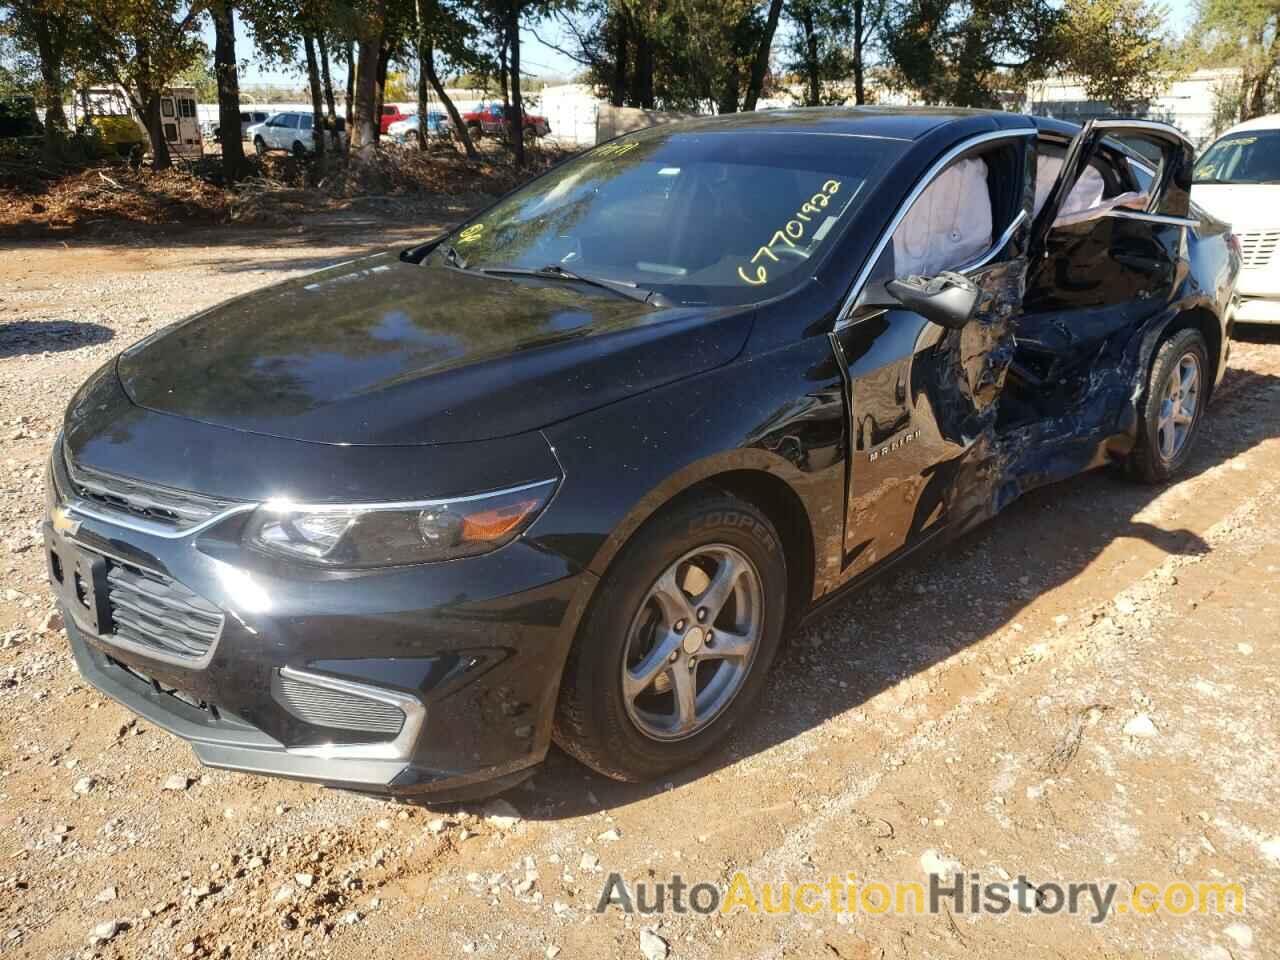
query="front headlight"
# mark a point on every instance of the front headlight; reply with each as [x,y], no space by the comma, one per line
[391,534]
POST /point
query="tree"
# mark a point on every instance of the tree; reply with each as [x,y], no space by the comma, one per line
[370,26]
[968,52]
[234,165]
[760,63]
[52,28]
[446,29]
[1119,49]
[823,50]
[1244,33]
[142,45]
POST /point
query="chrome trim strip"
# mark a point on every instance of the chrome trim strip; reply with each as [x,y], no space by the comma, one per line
[1000,244]
[1122,214]
[1152,126]
[912,197]
[401,748]
[279,505]
[81,507]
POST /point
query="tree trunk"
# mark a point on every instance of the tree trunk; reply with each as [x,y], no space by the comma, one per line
[760,66]
[351,82]
[326,79]
[812,71]
[515,115]
[859,43]
[149,107]
[729,94]
[427,65]
[363,132]
[318,132]
[384,63]
[234,165]
[424,53]
[50,76]
[618,82]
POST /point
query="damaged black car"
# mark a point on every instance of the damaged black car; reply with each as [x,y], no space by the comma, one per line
[571,472]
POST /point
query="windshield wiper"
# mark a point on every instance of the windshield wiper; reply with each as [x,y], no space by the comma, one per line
[553,271]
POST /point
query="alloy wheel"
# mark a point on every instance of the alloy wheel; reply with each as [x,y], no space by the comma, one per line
[1179,407]
[691,646]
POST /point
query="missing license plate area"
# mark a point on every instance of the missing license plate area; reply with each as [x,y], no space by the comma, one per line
[192,701]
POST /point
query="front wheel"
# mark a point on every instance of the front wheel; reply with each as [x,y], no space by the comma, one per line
[259,146]
[1173,408]
[676,645]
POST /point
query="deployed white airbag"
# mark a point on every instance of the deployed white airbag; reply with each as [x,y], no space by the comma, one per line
[1085,201]
[948,225]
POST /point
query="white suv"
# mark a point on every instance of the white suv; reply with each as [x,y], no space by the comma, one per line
[287,131]
[1237,179]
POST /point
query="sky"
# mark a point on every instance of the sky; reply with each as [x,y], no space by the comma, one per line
[541,60]
[535,57]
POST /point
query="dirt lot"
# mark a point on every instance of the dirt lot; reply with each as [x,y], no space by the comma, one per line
[1085,690]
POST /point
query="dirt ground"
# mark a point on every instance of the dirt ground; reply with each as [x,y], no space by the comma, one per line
[1087,689]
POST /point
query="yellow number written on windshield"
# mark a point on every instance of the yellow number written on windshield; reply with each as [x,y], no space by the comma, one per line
[793,230]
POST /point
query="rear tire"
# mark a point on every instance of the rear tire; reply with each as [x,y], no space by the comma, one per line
[299,150]
[1173,408]
[697,599]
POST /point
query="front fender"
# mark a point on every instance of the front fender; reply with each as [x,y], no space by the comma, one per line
[780,414]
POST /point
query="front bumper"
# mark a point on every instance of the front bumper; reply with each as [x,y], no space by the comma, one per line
[1246,309]
[467,654]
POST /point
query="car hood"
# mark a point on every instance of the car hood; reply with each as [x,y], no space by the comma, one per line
[1246,206]
[379,351]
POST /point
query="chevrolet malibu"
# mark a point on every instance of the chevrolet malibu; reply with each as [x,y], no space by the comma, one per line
[571,472]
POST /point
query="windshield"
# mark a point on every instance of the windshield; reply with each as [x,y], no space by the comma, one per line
[1242,158]
[718,218]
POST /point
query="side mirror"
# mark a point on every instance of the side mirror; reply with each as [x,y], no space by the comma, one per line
[949,299]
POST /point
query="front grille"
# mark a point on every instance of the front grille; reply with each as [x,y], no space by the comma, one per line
[339,709]
[1258,248]
[179,509]
[150,610]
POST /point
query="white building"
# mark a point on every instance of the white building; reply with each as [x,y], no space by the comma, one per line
[1188,104]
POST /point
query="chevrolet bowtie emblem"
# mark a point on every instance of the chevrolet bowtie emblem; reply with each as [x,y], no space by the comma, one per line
[63,522]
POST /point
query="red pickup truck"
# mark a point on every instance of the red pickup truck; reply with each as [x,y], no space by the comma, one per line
[391,114]
[488,119]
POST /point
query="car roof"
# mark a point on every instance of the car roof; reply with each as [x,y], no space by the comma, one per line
[1269,122]
[898,123]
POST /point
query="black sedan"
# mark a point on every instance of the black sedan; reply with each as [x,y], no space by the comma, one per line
[574,470]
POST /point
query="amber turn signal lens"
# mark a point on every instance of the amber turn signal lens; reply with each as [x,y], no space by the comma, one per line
[497,523]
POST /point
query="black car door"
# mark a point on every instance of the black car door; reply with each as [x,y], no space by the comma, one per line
[1103,267]
[922,398]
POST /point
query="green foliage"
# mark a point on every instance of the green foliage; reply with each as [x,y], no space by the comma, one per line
[1120,49]
[819,50]
[971,54]
[201,76]
[1244,34]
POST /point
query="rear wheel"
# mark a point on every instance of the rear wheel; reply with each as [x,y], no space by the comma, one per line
[1173,409]
[299,150]
[676,645]
[475,131]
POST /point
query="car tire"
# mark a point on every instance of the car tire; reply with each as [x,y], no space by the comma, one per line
[475,130]
[685,547]
[1172,409]
[259,146]
[299,150]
